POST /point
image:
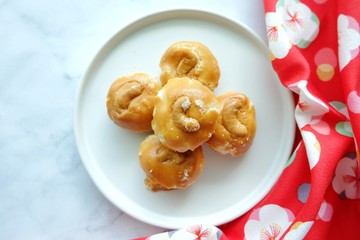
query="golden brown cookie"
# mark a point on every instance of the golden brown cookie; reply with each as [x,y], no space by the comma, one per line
[130,101]
[166,169]
[236,126]
[190,59]
[185,114]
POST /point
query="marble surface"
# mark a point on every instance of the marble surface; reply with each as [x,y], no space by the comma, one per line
[45,47]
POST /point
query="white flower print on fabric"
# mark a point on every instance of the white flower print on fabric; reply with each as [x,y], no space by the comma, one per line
[325,212]
[196,232]
[292,23]
[348,39]
[313,148]
[347,178]
[299,230]
[268,222]
[353,101]
[159,236]
[300,23]
[279,43]
[310,109]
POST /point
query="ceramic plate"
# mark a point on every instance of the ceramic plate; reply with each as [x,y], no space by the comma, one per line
[228,186]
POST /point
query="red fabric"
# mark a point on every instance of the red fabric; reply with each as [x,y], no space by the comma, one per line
[300,64]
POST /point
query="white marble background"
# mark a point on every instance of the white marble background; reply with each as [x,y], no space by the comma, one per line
[45,46]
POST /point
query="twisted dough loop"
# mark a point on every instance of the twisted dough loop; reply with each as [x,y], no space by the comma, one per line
[187,64]
[167,156]
[181,120]
[236,126]
[125,94]
[190,59]
[231,117]
[130,101]
[166,169]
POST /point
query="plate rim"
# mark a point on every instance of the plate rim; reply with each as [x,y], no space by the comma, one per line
[168,222]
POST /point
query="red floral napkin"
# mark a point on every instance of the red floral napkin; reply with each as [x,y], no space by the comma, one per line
[314,47]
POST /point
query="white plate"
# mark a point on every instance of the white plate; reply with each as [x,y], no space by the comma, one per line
[228,187]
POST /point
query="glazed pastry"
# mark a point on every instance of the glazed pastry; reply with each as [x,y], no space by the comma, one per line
[166,169]
[130,101]
[185,114]
[190,59]
[236,125]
